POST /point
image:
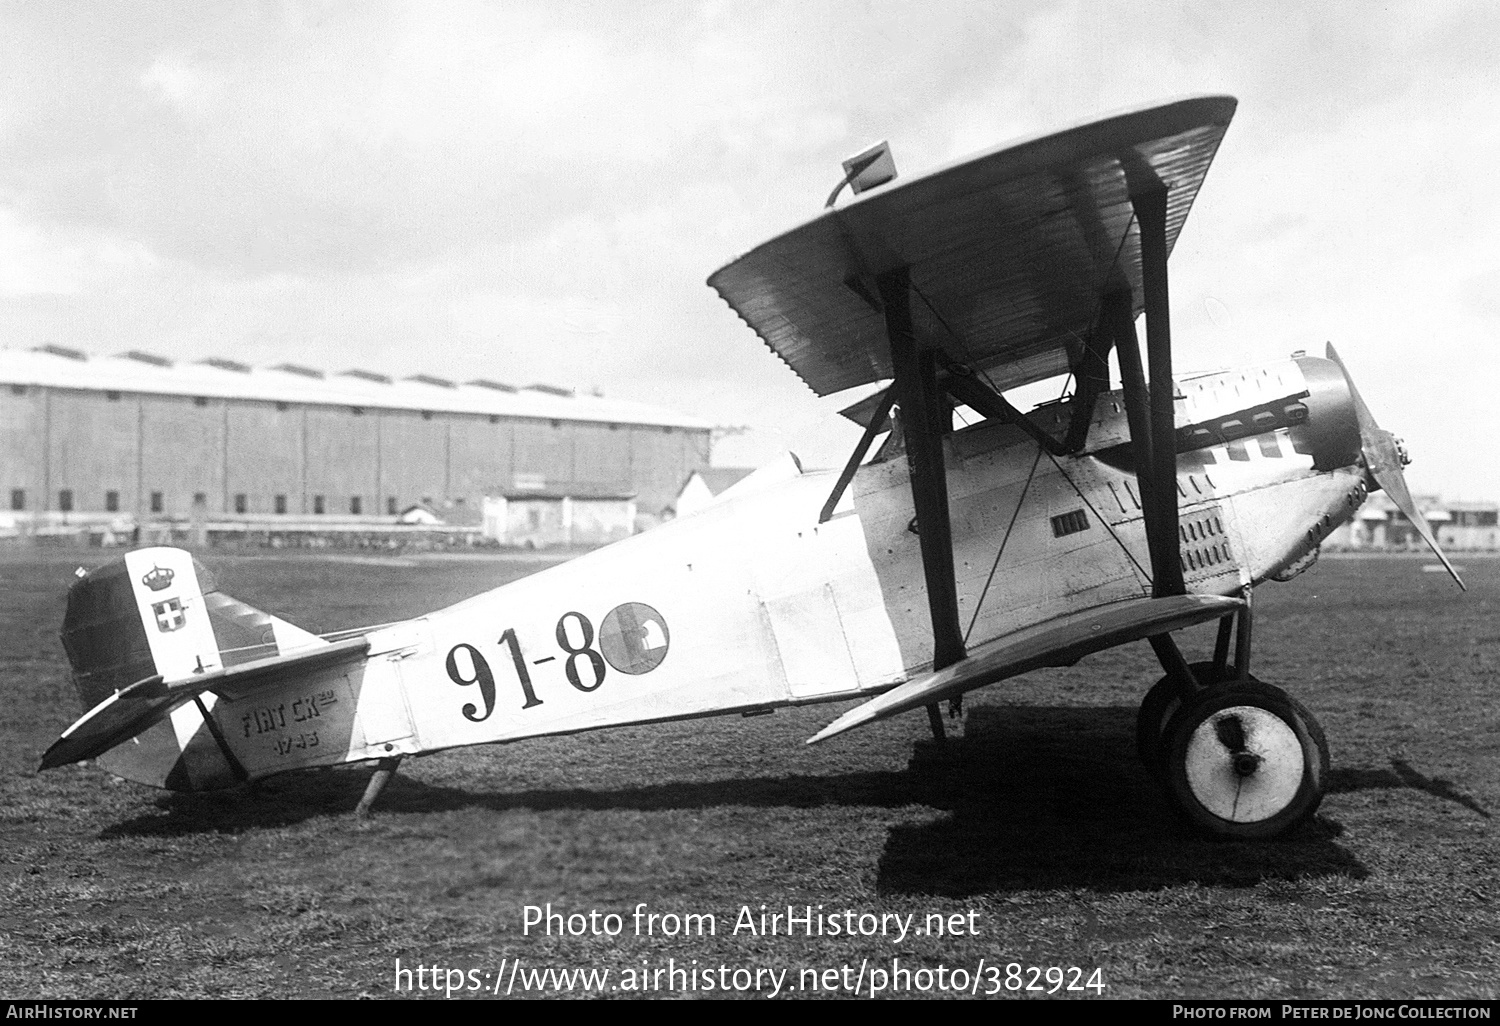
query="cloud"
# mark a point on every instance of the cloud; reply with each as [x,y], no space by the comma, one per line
[180,85]
[533,190]
[35,262]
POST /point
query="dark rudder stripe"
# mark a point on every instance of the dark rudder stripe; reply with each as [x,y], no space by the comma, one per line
[103,635]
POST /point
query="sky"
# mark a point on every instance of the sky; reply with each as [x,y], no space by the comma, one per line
[537,192]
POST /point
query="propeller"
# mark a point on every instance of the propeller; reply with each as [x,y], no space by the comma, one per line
[1384,458]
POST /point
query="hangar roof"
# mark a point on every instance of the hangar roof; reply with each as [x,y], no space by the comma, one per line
[56,367]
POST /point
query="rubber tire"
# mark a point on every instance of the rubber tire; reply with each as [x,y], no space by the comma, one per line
[1157,709]
[1199,776]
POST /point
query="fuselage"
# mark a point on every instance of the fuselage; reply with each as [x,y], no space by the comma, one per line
[753,603]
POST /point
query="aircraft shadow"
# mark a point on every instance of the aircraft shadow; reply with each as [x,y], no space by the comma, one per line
[295,797]
[1402,774]
[1031,797]
[1045,797]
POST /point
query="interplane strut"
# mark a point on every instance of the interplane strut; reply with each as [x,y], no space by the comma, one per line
[1156,448]
[1161,511]
[923,411]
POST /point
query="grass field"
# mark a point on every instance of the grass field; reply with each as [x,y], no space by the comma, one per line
[1036,826]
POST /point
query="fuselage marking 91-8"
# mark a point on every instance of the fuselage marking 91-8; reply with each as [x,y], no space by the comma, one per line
[632,639]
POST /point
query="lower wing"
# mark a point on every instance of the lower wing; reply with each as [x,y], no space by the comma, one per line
[1059,642]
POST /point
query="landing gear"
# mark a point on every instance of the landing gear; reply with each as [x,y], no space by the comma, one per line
[1241,759]
[1244,760]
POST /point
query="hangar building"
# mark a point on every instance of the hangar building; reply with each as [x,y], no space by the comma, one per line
[139,434]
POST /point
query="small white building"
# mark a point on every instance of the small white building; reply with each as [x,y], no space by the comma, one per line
[538,518]
[1380,527]
[1471,527]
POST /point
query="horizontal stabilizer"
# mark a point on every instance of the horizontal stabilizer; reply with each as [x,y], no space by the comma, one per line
[1059,642]
[127,713]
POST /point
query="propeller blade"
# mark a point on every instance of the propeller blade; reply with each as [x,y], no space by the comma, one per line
[1394,483]
[1384,460]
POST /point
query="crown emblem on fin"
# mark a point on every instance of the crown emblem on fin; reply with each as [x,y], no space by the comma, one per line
[157,578]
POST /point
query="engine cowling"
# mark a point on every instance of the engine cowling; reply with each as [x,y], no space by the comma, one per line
[1331,431]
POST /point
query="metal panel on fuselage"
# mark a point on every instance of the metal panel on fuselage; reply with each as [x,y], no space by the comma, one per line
[1248,506]
[1012,565]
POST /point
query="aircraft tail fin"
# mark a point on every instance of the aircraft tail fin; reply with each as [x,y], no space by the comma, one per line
[151,620]
[159,611]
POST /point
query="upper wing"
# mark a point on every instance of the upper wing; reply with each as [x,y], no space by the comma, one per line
[1059,642]
[1009,251]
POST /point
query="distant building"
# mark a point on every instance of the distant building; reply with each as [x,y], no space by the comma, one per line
[1459,526]
[537,519]
[1471,527]
[703,486]
[139,439]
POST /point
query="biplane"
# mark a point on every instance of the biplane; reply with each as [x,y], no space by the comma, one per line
[956,553]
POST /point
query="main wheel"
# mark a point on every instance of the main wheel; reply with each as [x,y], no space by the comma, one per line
[1246,761]
[1157,709]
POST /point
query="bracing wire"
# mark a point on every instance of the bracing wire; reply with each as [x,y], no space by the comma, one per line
[1001,551]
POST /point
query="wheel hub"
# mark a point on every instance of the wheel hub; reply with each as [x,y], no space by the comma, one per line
[1243,763]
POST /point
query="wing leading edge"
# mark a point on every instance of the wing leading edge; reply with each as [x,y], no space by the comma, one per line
[1059,642]
[1009,252]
